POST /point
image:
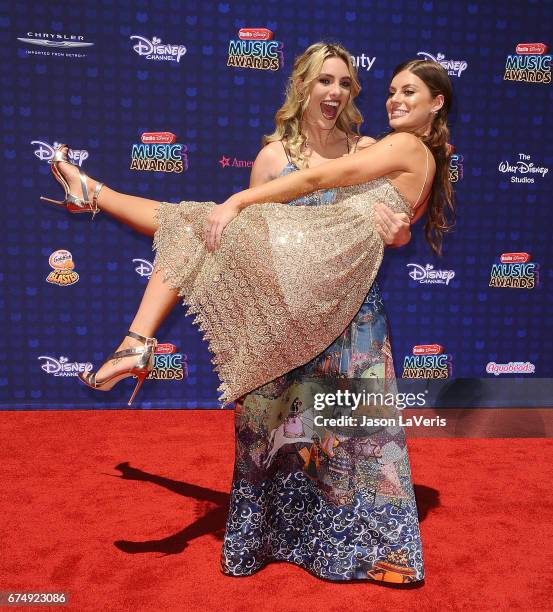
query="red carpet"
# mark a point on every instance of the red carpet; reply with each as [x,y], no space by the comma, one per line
[125,510]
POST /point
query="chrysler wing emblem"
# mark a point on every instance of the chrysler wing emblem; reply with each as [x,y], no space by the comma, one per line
[66,44]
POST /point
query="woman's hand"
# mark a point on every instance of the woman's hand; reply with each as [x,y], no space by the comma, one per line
[394,228]
[216,222]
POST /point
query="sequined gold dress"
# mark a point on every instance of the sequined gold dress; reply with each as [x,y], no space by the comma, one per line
[284,284]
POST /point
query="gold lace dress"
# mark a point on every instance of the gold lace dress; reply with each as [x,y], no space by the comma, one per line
[285,282]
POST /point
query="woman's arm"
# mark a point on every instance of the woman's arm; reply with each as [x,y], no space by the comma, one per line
[399,152]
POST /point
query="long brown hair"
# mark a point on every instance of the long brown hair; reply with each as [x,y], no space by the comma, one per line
[441,203]
[307,68]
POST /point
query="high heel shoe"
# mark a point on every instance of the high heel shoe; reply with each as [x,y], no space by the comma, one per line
[70,202]
[140,370]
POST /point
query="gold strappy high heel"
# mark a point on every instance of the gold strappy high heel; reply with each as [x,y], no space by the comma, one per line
[71,202]
[140,370]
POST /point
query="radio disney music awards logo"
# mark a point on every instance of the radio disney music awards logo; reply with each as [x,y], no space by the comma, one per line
[55,44]
[427,361]
[455,167]
[159,152]
[515,271]
[63,272]
[453,67]
[144,268]
[522,167]
[45,152]
[168,364]
[428,276]
[363,61]
[513,367]
[255,48]
[233,162]
[62,366]
[529,64]
[154,50]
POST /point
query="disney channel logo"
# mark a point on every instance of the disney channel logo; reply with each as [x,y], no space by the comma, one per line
[255,48]
[62,366]
[514,271]
[523,166]
[529,64]
[427,361]
[159,152]
[427,274]
[154,50]
[45,152]
[453,67]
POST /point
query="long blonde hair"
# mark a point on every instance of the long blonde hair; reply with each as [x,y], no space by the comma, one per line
[288,118]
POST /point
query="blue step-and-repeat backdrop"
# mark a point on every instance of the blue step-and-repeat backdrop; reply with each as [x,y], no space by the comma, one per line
[108,77]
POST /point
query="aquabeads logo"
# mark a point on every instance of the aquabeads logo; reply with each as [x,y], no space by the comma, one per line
[427,361]
[515,271]
[255,48]
[530,64]
[154,50]
[168,364]
[63,272]
[159,152]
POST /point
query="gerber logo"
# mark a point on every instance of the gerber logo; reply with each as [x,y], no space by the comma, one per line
[428,275]
[45,152]
[62,366]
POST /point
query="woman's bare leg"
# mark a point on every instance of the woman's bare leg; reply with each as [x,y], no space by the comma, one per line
[157,302]
[138,213]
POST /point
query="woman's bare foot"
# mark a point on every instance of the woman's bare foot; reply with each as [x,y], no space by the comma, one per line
[121,364]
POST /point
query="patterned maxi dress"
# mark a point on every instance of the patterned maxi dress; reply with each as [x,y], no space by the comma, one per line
[342,507]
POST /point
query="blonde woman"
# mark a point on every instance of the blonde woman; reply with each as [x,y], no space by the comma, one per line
[274,294]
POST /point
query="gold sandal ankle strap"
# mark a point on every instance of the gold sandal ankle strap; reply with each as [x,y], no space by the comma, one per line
[95,209]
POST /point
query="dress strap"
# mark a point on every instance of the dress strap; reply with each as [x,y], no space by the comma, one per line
[425,177]
[286,152]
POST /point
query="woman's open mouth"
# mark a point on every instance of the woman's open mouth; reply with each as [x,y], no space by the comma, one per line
[329,109]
